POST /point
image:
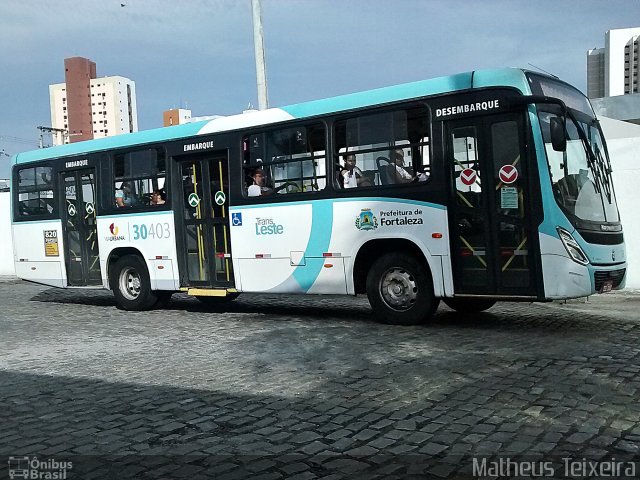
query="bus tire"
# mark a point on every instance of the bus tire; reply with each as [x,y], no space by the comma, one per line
[164,299]
[131,285]
[400,290]
[469,305]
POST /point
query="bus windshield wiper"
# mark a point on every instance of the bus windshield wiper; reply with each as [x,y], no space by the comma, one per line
[591,156]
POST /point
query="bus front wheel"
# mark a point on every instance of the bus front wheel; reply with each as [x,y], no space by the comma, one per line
[131,285]
[400,290]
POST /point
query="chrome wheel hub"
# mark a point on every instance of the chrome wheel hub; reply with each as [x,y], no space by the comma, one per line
[398,289]
[130,283]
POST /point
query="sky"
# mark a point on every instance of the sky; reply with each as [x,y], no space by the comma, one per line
[198,54]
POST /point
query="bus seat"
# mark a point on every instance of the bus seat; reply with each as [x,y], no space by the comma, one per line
[384,169]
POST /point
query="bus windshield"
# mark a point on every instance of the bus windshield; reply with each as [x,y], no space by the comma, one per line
[581,175]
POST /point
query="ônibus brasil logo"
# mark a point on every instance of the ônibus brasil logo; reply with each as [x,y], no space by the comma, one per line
[114,237]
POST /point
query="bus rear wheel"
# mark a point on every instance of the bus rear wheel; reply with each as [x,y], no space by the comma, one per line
[469,305]
[164,299]
[400,290]
[131,284]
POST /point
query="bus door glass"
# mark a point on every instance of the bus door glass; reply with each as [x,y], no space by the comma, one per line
[490,207]
[205,216]
[79,226]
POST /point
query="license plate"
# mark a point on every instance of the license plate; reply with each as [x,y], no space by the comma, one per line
[607,286]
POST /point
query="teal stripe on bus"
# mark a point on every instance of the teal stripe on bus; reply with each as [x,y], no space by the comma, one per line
[124,216]
[319,239]
[109,143]
[381,95]
[342,200]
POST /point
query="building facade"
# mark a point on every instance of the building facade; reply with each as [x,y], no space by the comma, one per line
[175,116]
[87,107]
[615,69]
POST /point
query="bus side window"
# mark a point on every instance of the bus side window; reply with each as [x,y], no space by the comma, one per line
[290,160]
[35,191]
[389,148]
[137,175]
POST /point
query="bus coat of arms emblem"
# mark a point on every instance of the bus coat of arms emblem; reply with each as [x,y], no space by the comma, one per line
[366,220]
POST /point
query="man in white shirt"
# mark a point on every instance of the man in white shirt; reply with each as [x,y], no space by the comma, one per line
[259,188]
[401,175]
[352,176]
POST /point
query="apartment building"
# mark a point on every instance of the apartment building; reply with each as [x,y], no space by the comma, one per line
[86,106]
[615,69]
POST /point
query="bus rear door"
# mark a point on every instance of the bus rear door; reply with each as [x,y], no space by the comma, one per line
[203,213]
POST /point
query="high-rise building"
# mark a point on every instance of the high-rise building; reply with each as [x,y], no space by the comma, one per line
[175,116]
[615,69]
[86,107]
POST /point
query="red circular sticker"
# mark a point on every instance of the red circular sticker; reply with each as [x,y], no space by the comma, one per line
[508,174]
[468,176]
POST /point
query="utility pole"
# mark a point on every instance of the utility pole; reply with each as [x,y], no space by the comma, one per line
[261,67]
[51,130]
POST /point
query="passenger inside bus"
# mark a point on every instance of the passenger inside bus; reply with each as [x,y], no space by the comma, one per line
[124,196]
[158,197]
[351,175]
[400,174]
[259,186]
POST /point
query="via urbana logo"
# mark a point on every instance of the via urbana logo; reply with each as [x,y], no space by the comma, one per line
[32,468]
[113,229]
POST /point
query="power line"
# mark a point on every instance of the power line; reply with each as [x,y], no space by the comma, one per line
[22,141]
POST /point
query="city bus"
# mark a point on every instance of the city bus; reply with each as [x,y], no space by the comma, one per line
[486,186]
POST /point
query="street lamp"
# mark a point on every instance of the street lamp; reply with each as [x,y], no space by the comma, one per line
[261,66]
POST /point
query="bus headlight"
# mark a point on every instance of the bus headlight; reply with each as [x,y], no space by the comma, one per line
[572,247]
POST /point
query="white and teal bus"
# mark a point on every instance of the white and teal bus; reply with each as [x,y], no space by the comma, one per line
[473,188]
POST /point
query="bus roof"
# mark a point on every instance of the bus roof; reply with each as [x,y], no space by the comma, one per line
[506,77]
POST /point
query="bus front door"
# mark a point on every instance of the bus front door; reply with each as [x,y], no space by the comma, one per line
[493,243]
[204,214]
[79,227]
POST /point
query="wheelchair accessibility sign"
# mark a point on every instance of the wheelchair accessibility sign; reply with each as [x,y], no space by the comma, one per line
[236,219]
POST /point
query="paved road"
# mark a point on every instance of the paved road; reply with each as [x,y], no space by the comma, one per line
[310,387]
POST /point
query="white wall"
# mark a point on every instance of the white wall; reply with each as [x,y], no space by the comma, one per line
[623,142]
[6,242]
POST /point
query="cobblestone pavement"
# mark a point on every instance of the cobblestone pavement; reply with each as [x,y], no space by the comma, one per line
[310,387]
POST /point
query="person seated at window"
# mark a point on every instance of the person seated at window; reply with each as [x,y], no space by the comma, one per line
[124,196]
[401,175]
[158,197]
[422,175]
[352,176]
[259,186]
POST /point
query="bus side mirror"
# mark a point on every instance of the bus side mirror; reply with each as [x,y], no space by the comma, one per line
[558,137]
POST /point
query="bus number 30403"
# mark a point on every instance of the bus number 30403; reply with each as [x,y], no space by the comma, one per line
[153,230]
